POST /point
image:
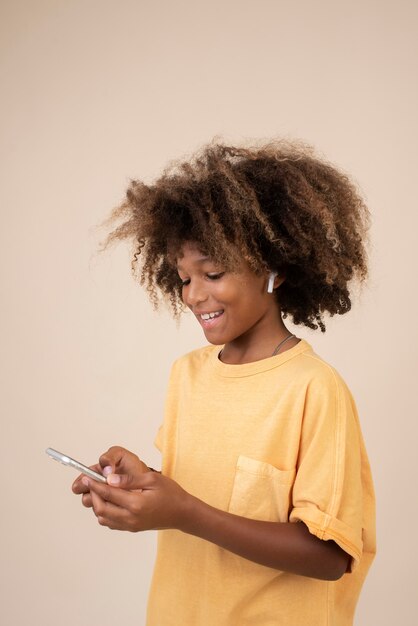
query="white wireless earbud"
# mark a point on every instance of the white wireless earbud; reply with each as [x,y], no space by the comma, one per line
[270,284]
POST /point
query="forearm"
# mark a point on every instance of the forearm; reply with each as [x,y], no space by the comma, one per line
[156,501]
[284,546]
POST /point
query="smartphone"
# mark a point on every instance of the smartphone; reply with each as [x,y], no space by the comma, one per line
[66,460]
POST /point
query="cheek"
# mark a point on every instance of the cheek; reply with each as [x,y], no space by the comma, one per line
[240,292]
[228,294]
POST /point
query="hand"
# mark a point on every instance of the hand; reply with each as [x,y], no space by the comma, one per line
[156,502]
[119,465]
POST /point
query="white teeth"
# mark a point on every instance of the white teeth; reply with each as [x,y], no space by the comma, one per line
[209,316]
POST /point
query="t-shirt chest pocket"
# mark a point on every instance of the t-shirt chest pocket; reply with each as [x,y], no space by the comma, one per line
[261,491]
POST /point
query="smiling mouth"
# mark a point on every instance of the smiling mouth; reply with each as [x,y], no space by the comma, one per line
[209,320]
[210,316]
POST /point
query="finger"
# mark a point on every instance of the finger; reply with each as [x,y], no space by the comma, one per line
[106,493]
[96,503]
[78,487]
[86,500]
[112,458]
[132,482]
[109,514]
[118,497]
[126,480]
[112,524]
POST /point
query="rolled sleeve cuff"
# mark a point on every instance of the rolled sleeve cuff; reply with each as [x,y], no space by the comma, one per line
[327,528]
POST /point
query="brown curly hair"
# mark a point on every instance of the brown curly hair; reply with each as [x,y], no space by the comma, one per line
[281,206]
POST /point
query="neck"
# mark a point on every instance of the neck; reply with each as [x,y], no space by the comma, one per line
[255,346]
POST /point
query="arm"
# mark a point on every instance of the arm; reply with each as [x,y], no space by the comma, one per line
[157,502]
[284,546]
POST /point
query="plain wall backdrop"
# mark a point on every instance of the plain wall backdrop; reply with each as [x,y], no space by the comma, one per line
[95,92]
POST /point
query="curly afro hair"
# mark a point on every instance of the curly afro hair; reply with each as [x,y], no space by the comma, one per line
[278,206]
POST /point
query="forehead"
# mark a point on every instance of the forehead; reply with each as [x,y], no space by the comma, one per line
[191,256]
[191,253]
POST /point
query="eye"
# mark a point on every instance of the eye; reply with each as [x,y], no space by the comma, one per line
[215,276]
[185,282]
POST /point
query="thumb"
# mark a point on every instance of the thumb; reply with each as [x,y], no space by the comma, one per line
[124,481]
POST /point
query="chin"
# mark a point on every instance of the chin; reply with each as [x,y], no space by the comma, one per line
[214,339]
[215,342]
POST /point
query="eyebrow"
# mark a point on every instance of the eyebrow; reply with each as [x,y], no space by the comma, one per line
[201,260]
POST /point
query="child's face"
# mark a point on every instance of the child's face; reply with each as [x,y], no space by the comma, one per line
[228,305]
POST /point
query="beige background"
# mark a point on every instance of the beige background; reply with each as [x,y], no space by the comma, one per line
[95,92]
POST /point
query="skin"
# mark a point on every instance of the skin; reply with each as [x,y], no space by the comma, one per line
[251,325]
[136,499]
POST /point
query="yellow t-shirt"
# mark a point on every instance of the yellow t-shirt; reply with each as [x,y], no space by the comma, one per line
[275,440]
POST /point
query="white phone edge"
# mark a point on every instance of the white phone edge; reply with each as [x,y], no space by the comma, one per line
[67,460]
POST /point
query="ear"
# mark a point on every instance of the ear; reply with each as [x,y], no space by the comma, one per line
[279,280]
[274,281]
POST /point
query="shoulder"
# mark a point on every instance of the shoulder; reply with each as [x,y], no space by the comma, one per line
[317,368]
[308,367]
[194,360]
[328,398]
[320,379]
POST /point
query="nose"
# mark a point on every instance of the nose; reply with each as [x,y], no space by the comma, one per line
[194,293]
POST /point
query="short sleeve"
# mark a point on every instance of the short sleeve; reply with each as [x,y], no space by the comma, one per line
[327,493]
